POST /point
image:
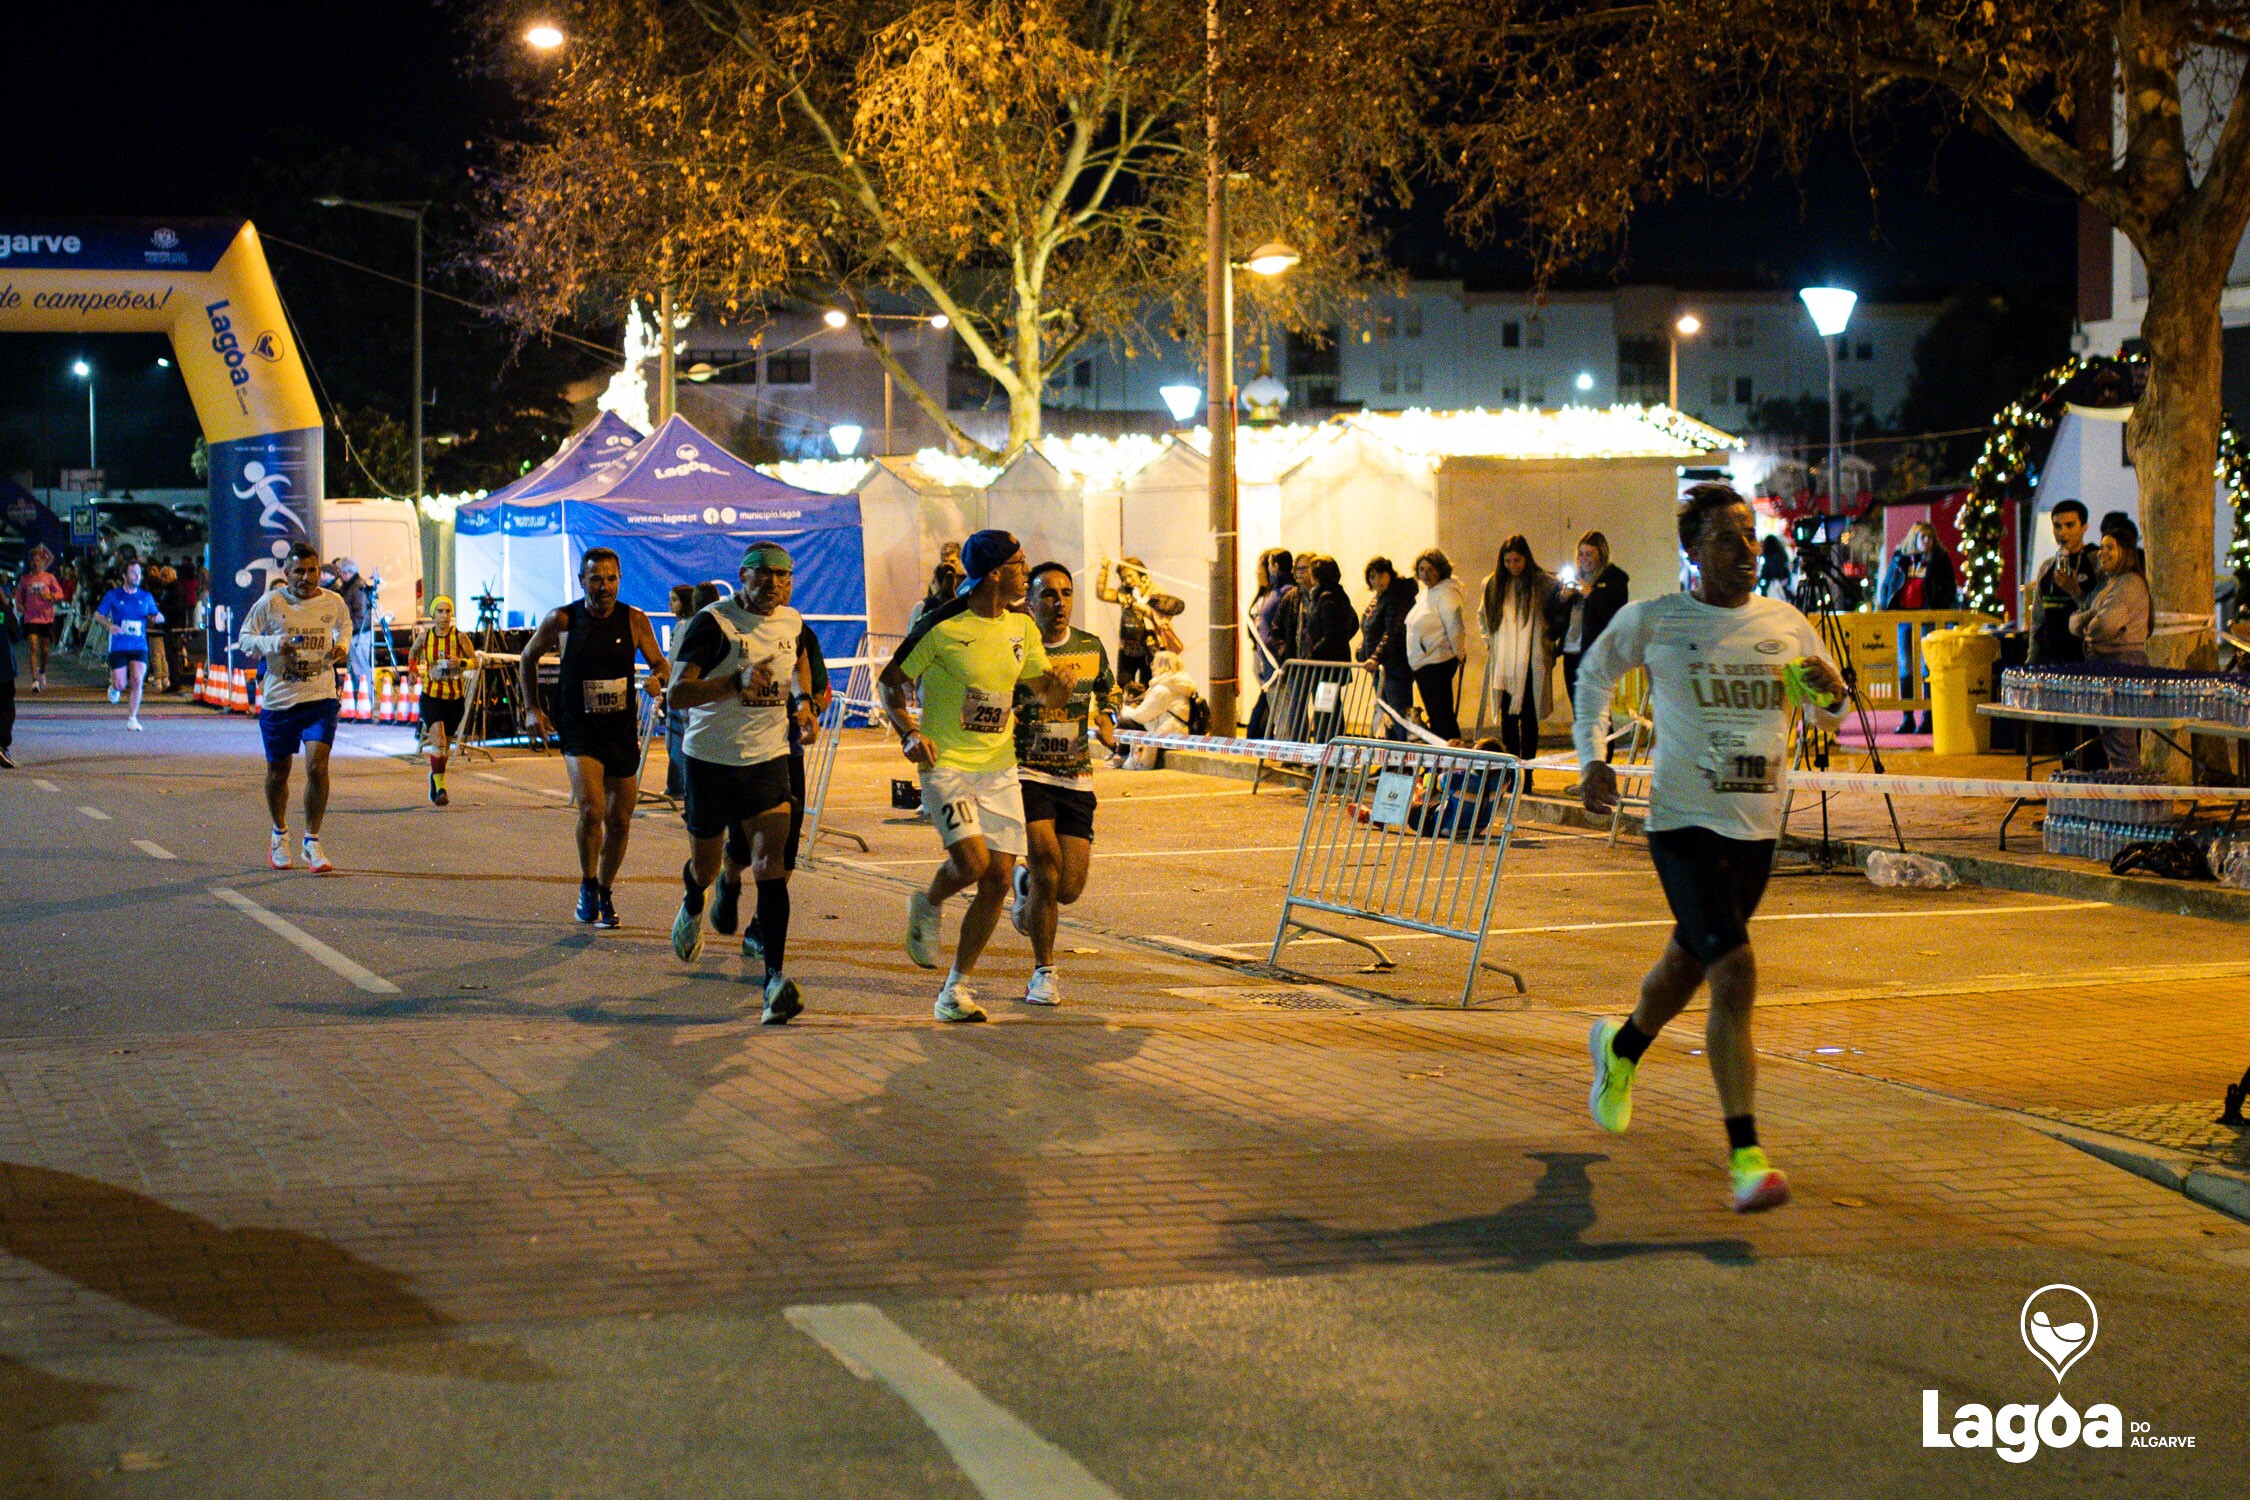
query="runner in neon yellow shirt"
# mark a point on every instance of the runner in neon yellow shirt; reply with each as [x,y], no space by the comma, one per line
[969,656]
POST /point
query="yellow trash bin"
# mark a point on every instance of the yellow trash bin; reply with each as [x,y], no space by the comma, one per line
[1960,663]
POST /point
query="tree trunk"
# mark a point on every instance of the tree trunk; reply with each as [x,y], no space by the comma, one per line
[2175,428]
[1029,392]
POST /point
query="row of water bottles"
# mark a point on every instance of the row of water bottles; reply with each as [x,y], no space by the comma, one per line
[2116,690]
[2094,838]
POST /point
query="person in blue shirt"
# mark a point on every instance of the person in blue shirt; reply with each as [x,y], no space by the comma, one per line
[129,610]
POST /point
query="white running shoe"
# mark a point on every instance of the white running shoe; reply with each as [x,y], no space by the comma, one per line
[115,696]
[134,725]
[687,933]
[924,931]
[1019,907]
[782,1001]
[277,849]
[1044,988]
[957,1002]
[316,861]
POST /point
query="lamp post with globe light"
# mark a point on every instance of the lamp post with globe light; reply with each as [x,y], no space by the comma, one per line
[1685,326]
[413,213]
[85,372]
[1831,309]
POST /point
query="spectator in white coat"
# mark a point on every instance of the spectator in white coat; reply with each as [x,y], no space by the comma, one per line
[1437,634]
[1161,709]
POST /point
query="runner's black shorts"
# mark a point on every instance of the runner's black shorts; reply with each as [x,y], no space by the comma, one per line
[1713,885]
[612,739]
[1069,808]
[38,630]
[738,842]
[719,797]
[447,711]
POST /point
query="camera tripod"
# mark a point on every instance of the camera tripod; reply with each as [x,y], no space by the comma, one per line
[1815,596]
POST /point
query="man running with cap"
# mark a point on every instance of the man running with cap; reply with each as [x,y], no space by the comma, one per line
[1724,664]
[969,655]
[804,727]
[303,632]
[740,677]
[600,721]
[1058,775]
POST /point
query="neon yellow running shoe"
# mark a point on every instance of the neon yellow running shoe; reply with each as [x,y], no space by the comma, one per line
[1758,1184]
[1611,1099]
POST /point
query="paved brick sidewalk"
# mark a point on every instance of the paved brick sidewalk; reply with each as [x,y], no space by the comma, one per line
[430,1173]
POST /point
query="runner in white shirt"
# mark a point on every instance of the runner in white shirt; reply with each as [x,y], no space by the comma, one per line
[304,633]
[1724,667]
[740,677]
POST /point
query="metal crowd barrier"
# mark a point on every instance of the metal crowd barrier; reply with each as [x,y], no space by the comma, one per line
[861,700]
[820,765]
[1316,701]
[1404,835]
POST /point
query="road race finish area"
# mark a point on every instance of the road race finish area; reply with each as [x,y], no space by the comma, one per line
[481,1176]
[205,283]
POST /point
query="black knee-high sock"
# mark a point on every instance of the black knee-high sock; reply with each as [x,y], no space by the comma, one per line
[773,921]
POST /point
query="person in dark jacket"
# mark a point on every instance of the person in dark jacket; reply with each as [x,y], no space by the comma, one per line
[1325,627]
[11,631]
[1382,639]
[1582,608]
[1273,631]
[1920,576]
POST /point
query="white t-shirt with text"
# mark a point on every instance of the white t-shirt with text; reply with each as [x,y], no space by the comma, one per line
[298,639]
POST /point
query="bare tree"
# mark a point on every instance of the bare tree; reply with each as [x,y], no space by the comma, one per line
[1027,168]
[1573,112]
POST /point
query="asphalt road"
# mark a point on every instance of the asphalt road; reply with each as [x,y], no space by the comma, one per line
[1513,1308]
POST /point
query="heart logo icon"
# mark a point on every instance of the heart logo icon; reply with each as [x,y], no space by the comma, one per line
[2059,1324]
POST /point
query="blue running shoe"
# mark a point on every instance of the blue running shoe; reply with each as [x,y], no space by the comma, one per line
[589,902]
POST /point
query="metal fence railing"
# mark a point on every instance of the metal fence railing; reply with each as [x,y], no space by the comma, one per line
[1315,702]
[1403,835]
[859,703]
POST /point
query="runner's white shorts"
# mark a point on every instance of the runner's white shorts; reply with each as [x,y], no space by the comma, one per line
[976,804]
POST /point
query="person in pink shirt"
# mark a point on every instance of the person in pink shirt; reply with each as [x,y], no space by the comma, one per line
[37,594]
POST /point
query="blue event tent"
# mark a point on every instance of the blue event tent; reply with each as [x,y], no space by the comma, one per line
[675,508]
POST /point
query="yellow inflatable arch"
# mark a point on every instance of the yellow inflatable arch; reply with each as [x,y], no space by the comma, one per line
[205,283]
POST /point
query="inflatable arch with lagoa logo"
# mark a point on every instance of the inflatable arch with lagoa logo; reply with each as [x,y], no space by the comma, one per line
[205,283]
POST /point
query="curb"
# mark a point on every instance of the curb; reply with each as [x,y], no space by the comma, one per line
[2217,1188]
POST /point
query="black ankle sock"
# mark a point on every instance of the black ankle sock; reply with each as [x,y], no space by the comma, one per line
[1742,1130]
[773,921]
[694,897]
[1630,1041]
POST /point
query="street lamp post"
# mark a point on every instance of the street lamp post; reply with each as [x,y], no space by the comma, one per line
[1831,309]
[1685,326]
[413,213]
[85,372]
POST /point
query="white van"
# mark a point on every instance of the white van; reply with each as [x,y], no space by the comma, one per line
[385,538]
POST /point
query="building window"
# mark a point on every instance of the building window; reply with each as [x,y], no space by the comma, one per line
[1535,390]
[1082,375]
[1511,334]
[1386,326]
[1511,391]
[1718,390]
[1742,390]
[1414,320]
[1413,380]
[789,367]
[1744,330]
[1538,328]
[1866,352]
[1387,380]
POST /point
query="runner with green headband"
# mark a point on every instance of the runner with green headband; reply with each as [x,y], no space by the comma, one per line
[740,676]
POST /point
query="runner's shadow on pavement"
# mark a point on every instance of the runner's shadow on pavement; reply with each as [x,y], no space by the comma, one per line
[257,1282]
[1548,1227]
[34,1401]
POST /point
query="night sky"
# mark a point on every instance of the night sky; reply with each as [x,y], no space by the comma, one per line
[137,110]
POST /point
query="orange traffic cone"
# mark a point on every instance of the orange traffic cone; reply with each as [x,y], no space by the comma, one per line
[410,702]
[366,702]
[202,680]
[238,692]
[386,702]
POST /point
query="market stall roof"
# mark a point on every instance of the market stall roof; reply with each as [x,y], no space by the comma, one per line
[603,441]
[681,478]
[1523,432]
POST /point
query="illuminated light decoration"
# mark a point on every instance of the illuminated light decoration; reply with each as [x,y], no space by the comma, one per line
[1526,433]
[827,476]
[440,508]
[1263,454]
[1181,400]
[1101,463]
[846,436]
[952,471]
[627,392]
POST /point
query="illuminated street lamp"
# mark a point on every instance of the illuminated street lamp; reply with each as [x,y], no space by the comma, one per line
[85,372]
[846,436]
[1831,309]
[1181,400]
[545,36]
[1685,326]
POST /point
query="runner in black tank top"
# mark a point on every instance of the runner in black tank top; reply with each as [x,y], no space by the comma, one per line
[597,710]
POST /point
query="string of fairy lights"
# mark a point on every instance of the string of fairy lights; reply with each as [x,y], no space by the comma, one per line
[2006,466]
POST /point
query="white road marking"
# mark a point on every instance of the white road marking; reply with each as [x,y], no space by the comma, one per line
[290,933]
[1780,916]
[523,787]
[1124,797]
[998,1454]
[44,784]
[95,813]
[924,859]
[153,850]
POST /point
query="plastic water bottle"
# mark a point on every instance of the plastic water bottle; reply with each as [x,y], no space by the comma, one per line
[1914,871]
